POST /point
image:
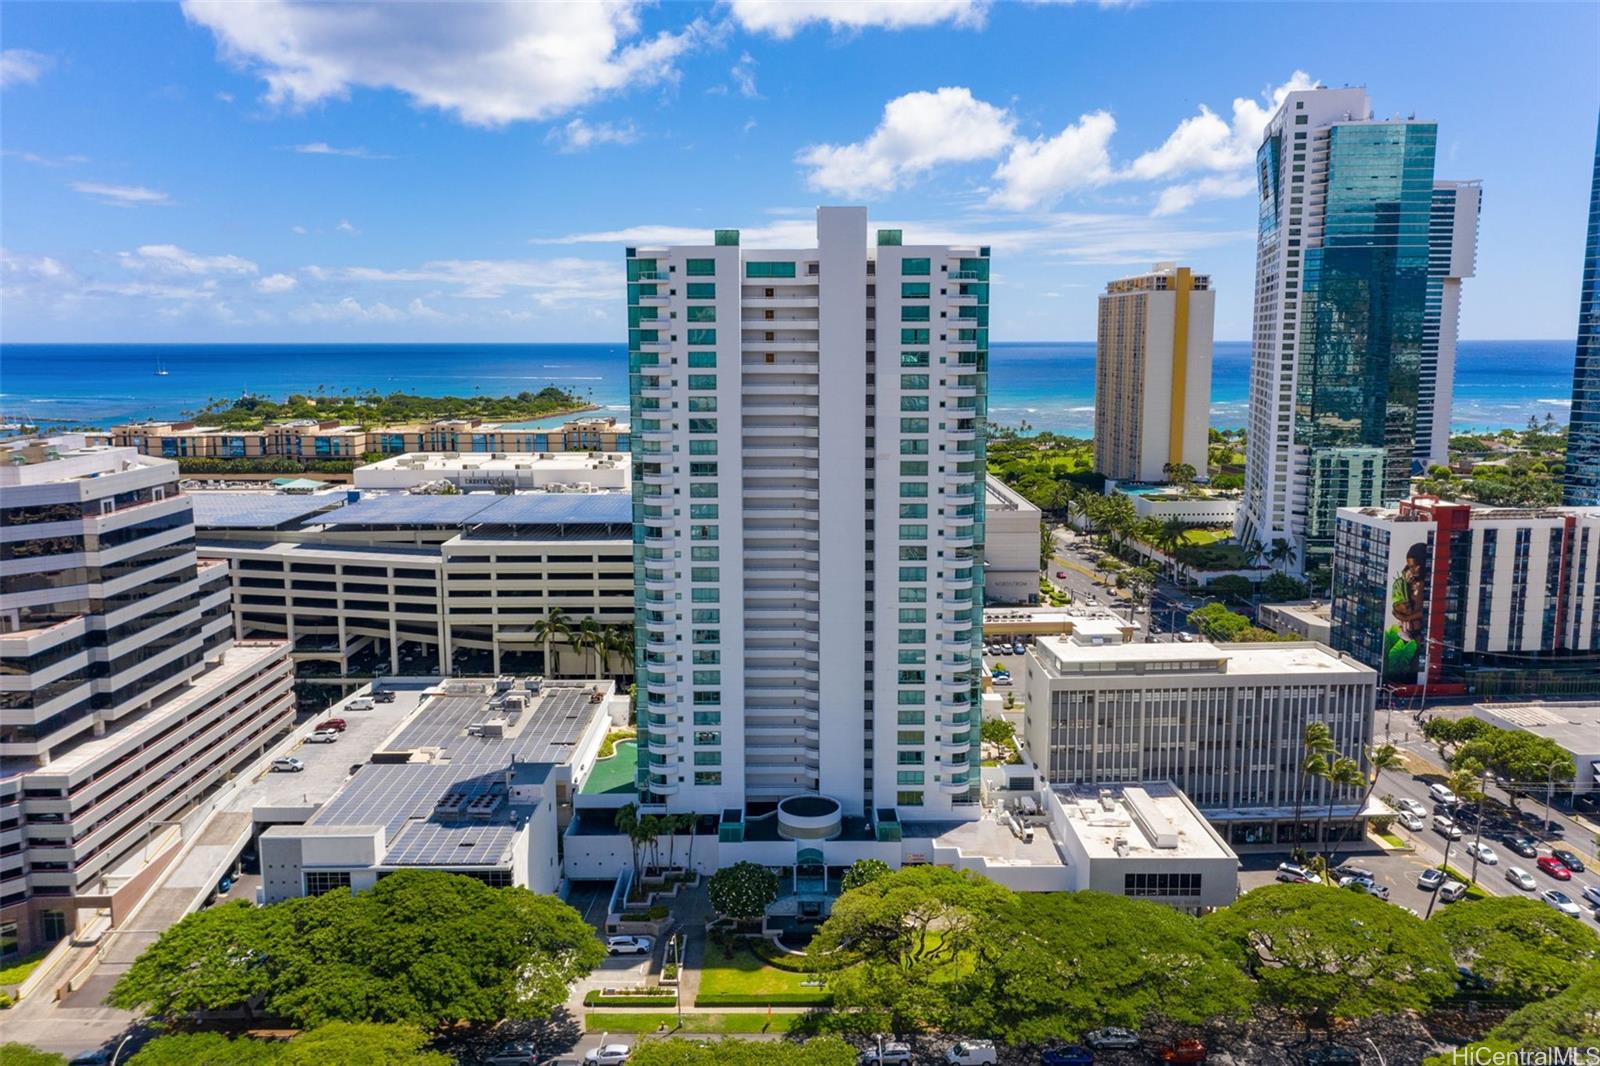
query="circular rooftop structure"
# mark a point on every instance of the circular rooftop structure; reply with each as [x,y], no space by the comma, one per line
[810,817]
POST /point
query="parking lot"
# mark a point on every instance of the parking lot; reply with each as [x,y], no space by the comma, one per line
[327,766]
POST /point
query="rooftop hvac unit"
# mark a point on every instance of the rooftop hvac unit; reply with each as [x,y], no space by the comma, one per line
[532,683]
[516,703]
[451,803]
[1107,800]
[505,683]
[483,806]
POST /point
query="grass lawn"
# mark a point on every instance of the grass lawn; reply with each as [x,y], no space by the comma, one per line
[745,975]
[18,971]
[641,1022]
[1206,536]
[1393,841]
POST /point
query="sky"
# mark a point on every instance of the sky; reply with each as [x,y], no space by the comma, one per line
[282,171]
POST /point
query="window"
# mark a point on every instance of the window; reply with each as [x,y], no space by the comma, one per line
[918,615]
[704,573]
[914,290]
[701,290]
[909,758]
[914,313]
[705,313]
[705,595]
[914,381]
[702,447]
[710,738]
[702,382]
[913,358]
[911,698]
[913,594]
[912,268]
[913,510]
[705,616]
[913,573]
[908,799]
[914,489]
[914,447]
[909,736]
[320,881]
[702,469]
[702,489]
[914,468]
[913,532]
[1167,885]
[709,555]
[913,636]
[702,336]
[702,403]
[701,360]
[708,758]
[707,677]
[707,717]
[768,270]
[913,336]
[913,425]
[908,777]
[913,403]
[708,699]
[707,777]
[700,268]
[702,425]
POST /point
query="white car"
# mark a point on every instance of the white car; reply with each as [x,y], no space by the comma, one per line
[1294,873]
[1591,894]
[1362,884]
[1446,827]
[1481,852]
[1441,794]
[972,1053]
[1411,806]
[1521,878]
[323,736]
[629,945]
[1452,891]
[609,1054]
[889,1053]
[1411,821]
[1430,879]
[1561,902]
[287,764]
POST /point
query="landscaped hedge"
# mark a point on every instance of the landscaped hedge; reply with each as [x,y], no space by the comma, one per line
[819,998]
[600,999]
[772,955]
[654,914]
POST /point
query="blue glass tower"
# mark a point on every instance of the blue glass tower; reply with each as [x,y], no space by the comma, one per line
[1583,437]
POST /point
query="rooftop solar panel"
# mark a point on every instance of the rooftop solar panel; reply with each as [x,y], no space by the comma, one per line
[429,843]
[560,508]
[257,510]
[412,510]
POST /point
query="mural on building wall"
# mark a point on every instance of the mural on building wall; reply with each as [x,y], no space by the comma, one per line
[1405,638]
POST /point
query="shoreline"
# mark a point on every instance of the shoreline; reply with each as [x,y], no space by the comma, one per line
[40,423]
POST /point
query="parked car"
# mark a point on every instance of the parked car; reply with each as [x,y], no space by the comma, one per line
[889,1053]
[224,885]
[1351,868]
[629,945]
[972,1053]
[1442,794]
[1521,878]
[1446,827]
[1591,894]
[522,1054]
[1411,806]
[1522,844]
[287,764]
[1561,902]
[383,697]
[1112,1037]
[1017,647]
[322,736]
[1001,681]
[1554,867]
[364,703]
[1568,859]
[1183,1051]
[1293,872]
[1410,821]
[1430,879]
[337,725]
[1481,852]
[1452,891]
[1067,1055]
[1331,1055]
[608,1054]
[1361,884]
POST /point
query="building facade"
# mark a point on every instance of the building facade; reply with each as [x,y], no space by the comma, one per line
[1152,388]
[1010,547]
[1358,259]
[808,621]
[1460,597]
[503,472]
[1583,433]
[124,700]
[1224,723]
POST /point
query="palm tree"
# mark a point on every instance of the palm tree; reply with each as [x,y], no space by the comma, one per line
[588,638]
[1473,793]
[1077,504]
[1462,782]
[1317,745]
[1343,772]
[553,627]
[1379,759]
[1173,533]
[629,824]
[624,647]
[1281,553]
[1253,553]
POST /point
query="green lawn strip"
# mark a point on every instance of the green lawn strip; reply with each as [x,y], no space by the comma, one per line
[1473,891]
[636,1022]
[600,999]
[746,975]
[18,971]
[1393,841]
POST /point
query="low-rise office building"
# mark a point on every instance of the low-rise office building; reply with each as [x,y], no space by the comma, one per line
[1224,723]
[503,472]
[1573,726]
[1470,599]
[1311,620]
[124,700]
[478,781]
[1011,547]
[1194,504]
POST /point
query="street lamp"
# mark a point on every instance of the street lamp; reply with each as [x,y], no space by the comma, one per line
[1549,790]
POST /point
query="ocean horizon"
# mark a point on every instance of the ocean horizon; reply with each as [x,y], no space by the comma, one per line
[1049,385]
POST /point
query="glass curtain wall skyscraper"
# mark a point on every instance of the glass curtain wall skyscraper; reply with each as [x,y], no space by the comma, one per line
[1351,369]
[808,529]
[1583,436]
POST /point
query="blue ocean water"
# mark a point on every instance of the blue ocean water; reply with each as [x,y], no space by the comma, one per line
[1050,385]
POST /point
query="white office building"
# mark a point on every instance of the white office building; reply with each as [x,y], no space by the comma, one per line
[124,701]
[809,520]
[1359,259]
[503,472]
[1010,546]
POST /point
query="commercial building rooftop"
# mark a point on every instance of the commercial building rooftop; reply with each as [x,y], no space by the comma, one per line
[1066,656]
[1153,819]
[259,510]
[1574,726]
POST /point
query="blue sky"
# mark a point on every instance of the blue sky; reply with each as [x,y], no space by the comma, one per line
[281,171]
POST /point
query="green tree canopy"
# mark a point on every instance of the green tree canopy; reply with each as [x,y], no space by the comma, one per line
[819,1051]
[1325,954]
[742,891]
[1216,622]
[13,1054]
[1567,1019]
[865,871]
[421,948]
[341,1043]
[1524,949]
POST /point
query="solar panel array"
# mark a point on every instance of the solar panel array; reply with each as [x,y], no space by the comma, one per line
[451,844]
[526,509]
[409,510]
[256,510]
[549,732]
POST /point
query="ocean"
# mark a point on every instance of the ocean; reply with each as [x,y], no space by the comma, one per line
[1049,385]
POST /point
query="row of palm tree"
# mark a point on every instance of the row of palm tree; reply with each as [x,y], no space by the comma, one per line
[644,831]
[1322,761]
[607,643]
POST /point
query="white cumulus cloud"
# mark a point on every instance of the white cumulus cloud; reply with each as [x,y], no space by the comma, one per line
[121,195]
[324,148]
[171,259]
[488,64]
[273,284]
[19,66]
[1179,197]
[578,135]
[784,18]
[1038,172]
[1207,142]
[917,132]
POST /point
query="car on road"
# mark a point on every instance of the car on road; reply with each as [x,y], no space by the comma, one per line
[1522,844]
[1061,575]
[1430,879]
[889,1053]
[336,725]
[287,764]
[1554,867]
[322,736]
[972,1053]
[1331,1055]
[1452,891]
[1410,821]
[1569,859]
[1411,806]
[1183,1051]
[1481,852]
[1591,894]
[1446,827]
[1361,884]
[608,1054]
[1112,1037]
[1521,878]
[629,945]
[1067,1055]
[1294,873]
[1442,794]
[520,1054]
[1186,637]
[1561,902]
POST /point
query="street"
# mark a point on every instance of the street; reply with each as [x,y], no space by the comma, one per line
[1166,613]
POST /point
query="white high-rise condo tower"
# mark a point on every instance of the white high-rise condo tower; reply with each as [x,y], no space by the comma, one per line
[808,523]
[1359,259]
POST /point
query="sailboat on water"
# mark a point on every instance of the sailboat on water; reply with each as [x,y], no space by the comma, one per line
[161,368]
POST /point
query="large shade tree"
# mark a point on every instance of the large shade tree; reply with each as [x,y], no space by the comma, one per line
[1524,949]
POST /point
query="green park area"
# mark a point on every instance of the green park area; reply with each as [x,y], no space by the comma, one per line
[747,980]
[640,1022]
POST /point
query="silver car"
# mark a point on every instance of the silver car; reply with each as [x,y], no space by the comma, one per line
[1521,878]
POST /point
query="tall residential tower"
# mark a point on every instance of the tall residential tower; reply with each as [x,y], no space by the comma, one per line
[1152,374]
[1359,258]
[808,525]
[1583,440]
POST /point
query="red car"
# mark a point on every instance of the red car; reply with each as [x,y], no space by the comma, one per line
[336,724]
[1554,867]
[1184,1051]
